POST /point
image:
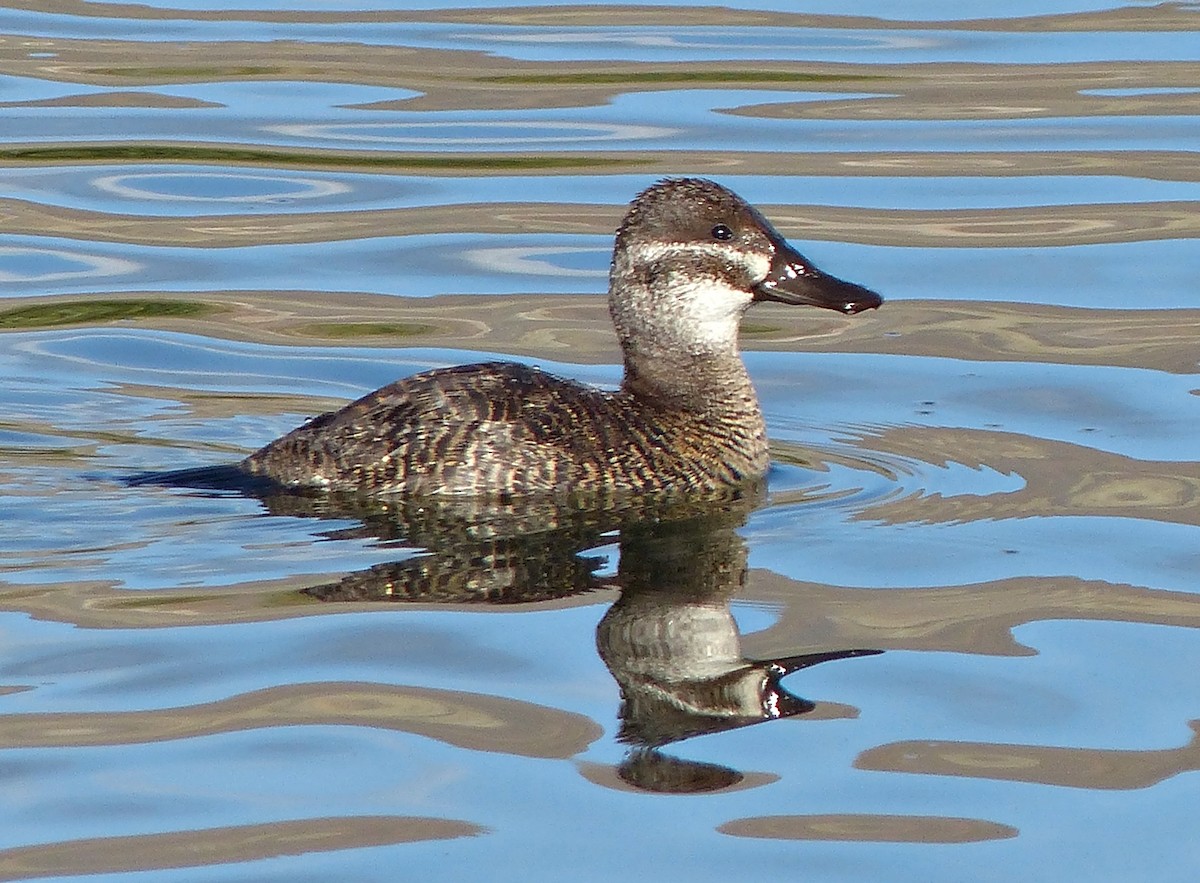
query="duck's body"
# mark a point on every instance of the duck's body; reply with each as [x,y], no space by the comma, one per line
[504,429]
[690,258]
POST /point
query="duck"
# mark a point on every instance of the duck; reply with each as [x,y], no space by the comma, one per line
[689,259]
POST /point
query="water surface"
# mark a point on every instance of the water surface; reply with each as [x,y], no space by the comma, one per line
[955,635]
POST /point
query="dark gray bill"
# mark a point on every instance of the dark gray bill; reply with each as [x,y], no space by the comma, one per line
[793,280]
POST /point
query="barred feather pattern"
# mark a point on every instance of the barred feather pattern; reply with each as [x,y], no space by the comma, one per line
[499,429]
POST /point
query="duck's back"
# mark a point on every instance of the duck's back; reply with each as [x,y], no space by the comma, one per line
[502,428]
[491,429]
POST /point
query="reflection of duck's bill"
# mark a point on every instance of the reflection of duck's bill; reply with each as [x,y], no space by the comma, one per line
[789,664]
[659,711]
[794,280]
[778,702]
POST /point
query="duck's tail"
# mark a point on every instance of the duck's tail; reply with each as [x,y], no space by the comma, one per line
[229,477]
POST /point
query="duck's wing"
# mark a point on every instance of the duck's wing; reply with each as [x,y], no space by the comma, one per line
[468,429]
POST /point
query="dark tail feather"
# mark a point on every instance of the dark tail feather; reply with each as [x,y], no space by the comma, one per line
[212,478]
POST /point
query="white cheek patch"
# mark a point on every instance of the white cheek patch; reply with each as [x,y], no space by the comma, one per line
[711,312]
[711,300]
[703,314]
[759,264]
[756,263]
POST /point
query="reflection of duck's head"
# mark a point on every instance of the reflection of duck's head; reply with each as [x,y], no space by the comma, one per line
[690,258]
[679,663]
[666,699]
[671,641]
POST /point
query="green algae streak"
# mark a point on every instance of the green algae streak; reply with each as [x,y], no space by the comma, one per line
[212,154]
[94,311]
[342,330]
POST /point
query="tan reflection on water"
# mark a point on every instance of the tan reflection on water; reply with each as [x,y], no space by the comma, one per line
[457,79]
[473,721]
[1066,767]
[104,606]
[212,846]
[1008,92]
[1165,165]
[577,328]
[117,99]
[869,828]
[1039,226]
[1161,16]
[974,618]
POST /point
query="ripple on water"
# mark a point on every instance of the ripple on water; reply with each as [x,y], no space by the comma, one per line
[640,120]
[872,41]
[855,480]
[500,264]
[227,187]
[470,133]
[34,267]
[187,190]
[1137,413]
[193,190]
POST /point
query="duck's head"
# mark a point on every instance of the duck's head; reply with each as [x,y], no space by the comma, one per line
[691,256]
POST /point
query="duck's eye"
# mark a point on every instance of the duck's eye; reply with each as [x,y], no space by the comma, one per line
[722,233]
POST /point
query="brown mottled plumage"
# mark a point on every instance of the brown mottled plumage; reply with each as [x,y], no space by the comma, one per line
[690,258]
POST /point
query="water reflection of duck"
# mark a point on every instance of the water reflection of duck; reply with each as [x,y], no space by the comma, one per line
[690,258]
[475,550]
[672,644]
[670,640]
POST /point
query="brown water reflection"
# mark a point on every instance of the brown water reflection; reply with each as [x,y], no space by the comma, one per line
[474,722]
[1065,767]
[214,846]
[1034,226]
[577,327]
[456,79]
[870,828]
[669,640]
[1161,16]
[975,618]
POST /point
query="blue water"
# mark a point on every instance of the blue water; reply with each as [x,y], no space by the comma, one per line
[994,480]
